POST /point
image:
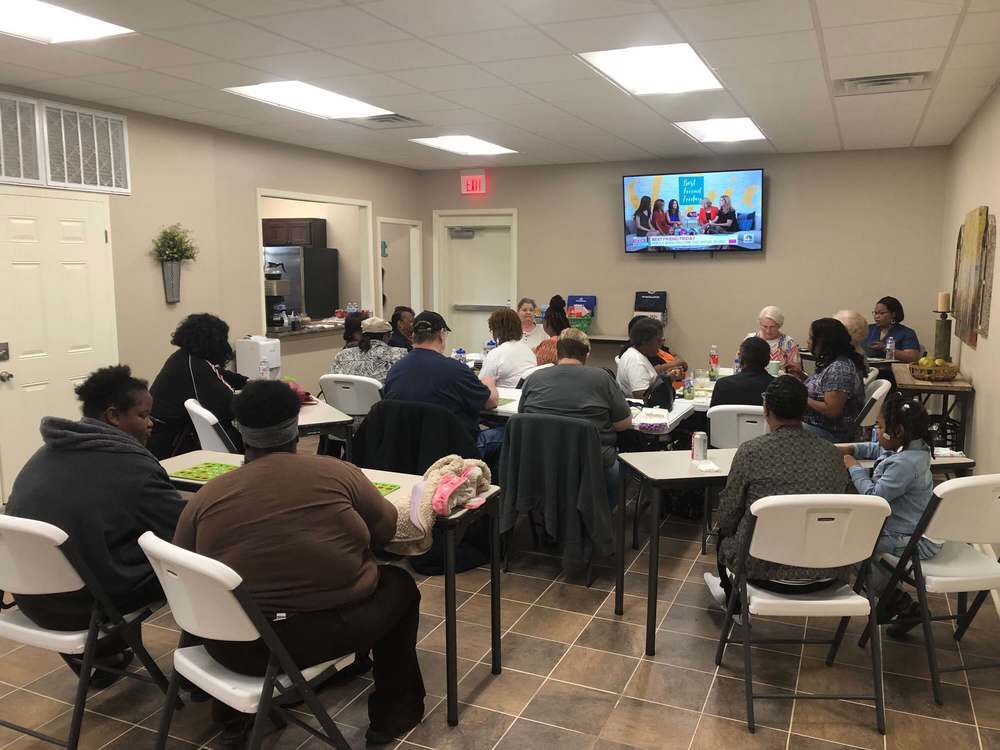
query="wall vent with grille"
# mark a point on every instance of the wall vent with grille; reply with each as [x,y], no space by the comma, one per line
[19,156]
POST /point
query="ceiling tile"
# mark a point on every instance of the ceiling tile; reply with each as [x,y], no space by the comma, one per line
[599,34]
[882,63]
[553,11]
[855,12]
[303,66]
[369,85]
[407,104]
[142,51]
[432,17]
[980,28]
[80,88]
[18,75]
[974,56]
[214,119]
[759,50]
[498,44]
[231,40]
[146,82]
[449,117]
[741,147]
[153,105]
[973,77]
[333,27]
[221,75]
[144,15]
[252,8]
[401,55]
[982,6]
[447,78]
[697,105]
[743,19]
[55,59]
[949,112]
[917,33]
[542,69]
[880,120]
[491,99]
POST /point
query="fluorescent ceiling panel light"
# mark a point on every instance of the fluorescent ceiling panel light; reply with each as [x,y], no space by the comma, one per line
[308,99]
[722,130]
[657,69]
[50,24]
[466,145]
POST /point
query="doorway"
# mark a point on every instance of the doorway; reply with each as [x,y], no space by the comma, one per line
[475,270]
[400,245]
[57,320]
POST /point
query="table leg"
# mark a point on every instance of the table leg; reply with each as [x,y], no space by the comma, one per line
[323,449]
[495,587]
[654,570]
[620,545]
[963,411]
[450,616]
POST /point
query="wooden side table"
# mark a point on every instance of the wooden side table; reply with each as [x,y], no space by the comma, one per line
[956,402]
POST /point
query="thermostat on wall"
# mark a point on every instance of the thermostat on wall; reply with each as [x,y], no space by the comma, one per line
[473,182]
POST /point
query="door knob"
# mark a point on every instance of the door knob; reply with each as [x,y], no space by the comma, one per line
[5,376]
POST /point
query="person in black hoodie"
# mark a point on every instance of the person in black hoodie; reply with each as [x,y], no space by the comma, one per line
[746,388]
[196,370]
[94,480]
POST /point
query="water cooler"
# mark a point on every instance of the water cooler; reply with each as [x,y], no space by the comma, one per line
[254,354]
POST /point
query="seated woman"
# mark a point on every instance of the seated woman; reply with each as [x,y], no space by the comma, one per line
[662,357]
[352,330]
[512,357]
[402,327]
[659,221]
[674,221]
[836,389]
[372,357]
[635,369]
[787,460]
[784,349]
[555,323]
[857,328]
[888,315]
[724,221]
[96,481]
[532,333]
[902,475]
[196,370]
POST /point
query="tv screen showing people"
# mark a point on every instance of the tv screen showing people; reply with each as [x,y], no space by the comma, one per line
[694,211]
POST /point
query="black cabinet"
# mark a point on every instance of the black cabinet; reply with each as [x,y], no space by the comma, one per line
[300,232]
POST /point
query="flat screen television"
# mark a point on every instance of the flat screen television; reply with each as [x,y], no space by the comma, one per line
[694,212]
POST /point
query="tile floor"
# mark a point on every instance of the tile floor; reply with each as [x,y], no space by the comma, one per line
[575,676]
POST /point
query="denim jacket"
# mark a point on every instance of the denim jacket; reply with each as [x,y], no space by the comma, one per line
[903,478]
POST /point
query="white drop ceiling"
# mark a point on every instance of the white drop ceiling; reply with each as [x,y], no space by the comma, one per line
[505,71]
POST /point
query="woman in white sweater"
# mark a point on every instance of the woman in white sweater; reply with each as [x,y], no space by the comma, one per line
[512,356]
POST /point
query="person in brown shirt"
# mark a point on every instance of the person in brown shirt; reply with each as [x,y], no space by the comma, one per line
[299,530]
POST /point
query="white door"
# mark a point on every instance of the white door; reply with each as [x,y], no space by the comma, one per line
[57,311]
[395,267]
[475,272]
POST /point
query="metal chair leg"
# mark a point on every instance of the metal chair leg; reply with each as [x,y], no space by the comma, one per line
[727,627]
[80,701]
[876,646]
[169,703]
[925,619]
[264,705]
[747,657]
[966,619]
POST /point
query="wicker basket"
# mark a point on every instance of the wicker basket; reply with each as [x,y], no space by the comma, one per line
[938,373]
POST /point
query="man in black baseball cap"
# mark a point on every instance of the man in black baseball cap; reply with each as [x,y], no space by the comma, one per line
[429,376]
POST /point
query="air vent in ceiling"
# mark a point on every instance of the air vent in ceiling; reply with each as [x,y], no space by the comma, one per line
[386,122]
[889,83]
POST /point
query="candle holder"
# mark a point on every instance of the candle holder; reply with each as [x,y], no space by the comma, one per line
[942,335]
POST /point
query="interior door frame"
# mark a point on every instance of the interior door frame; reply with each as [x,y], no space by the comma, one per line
[416,260]
[370,299]
[445,219]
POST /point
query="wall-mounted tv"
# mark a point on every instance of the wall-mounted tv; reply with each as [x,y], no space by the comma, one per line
[694,212]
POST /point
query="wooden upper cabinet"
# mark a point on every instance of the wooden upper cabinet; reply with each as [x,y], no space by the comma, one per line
[302,232]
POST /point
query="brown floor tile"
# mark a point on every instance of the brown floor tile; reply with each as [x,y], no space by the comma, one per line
[990,738]
[145,739]
[507,692]
[478,609]
[669,567]
[898,658]
[596,669]
[59,684]
[693,621]
[26,664]
[535,564]
[714,733]
[355,712]
[571,707]
[521,588]
[837,721]
[471,581]
[473,641]
[193,724]
[528,654]
[529,735]
[617,637]
[909,732]
[434,671]
[675,686]
[128,700]
[432,599]
[552,624]
[695,593]
[96,731]
[798,742]
[633,610]
[698,570]
[767,628]
[637,584]
[987,703]
[769,667]
[427,624]
[728,700]
[162,619]
[478,729]
[681,530]
[648,725]
[683,650]
[602,577]
[572,598]
[978,641]
[336,694]
[28,710]
[685,550]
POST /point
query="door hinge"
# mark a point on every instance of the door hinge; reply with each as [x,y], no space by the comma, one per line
[105,236]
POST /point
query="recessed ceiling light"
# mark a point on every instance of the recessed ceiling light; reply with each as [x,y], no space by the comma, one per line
[50,24]
[722,130]
[308,99]
[466,145]
[656,69]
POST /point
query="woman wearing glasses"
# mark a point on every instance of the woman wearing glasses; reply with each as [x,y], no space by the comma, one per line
[888,316]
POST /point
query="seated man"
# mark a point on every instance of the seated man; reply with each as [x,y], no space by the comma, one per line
[788,460]
[426,375]
[570,389]
[299,530]
[747,386]
[95,481]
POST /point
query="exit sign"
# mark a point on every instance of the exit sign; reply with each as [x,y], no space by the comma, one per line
[473,182]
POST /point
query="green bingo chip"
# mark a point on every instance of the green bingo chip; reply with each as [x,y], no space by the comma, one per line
[505,401]
[385,488]
[204,472]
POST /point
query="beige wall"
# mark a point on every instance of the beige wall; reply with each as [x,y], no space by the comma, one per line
[842,230]
[973,179]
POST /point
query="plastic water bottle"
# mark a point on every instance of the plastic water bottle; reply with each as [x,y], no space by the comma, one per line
[459,354]
[890,348]
[688,387]
[263,370]
[489,346]
[713,363]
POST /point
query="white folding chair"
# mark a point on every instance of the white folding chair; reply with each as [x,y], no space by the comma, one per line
[352,394]
[871,376]
[808,531]
[208,600]
[875,395]
[536,368]
[962,512]
[730,426]
[37,558]
[211,434]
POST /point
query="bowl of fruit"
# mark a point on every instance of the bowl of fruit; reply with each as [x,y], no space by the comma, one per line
[929,368]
